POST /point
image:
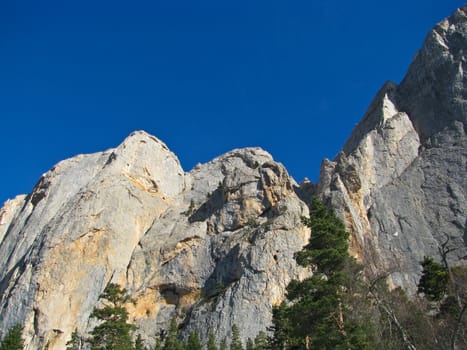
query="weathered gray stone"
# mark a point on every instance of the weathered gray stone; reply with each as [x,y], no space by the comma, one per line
[202,246]
[433,92]
[214,247]
[225,255]
[400,182]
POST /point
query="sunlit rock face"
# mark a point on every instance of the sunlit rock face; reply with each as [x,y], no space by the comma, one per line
[400,181]
[213,247]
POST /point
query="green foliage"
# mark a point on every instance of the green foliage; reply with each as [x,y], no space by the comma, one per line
[191,208]
[318,312]
[250,345]
[336,309]
[261,341]
[115,294]
[328,247]
[158,345]
[193,342]
[403,322]
[76,342]
[13,340]
[211,342]
[434,280]
[139,344]
[114,332]
[280,328]
[252,221]
[236,343]
[220,287]
[172,342]
[223,344]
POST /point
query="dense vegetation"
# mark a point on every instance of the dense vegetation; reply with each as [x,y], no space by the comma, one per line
[319,311]
[340,308]
[13,339]
[336,308]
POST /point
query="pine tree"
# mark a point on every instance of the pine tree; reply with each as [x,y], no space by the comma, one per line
[281,329]
[328,246]
[172,342]
[250,345]
[236,343]
[158,345]
[261,341]
[139,344]
[317,313]
[193,342]
[211,342]
[13,340]
[434,280]
[114,332]
[223,344]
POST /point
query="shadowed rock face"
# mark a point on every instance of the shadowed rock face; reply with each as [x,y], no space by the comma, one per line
[213,247]
[400,182]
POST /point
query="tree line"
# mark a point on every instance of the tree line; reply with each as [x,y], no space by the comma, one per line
[338,307]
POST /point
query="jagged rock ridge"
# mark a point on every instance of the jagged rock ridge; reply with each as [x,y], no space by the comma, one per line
[400,181]
[214,246]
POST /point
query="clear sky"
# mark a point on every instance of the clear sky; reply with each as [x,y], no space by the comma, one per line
[292,77]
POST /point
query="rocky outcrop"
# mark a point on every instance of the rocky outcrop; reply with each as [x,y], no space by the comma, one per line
[400,181]
[229,251]
[213,247]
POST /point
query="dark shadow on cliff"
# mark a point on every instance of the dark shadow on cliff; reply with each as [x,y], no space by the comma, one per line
[214,203]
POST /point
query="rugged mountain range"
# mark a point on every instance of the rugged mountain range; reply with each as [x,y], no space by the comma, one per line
[400,181]
[214,246]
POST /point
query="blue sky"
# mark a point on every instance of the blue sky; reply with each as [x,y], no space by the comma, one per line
[292,77]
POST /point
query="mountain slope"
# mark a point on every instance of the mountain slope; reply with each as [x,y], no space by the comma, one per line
[214,247]
[400,181]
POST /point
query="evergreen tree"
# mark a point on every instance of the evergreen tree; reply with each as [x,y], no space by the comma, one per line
[280,328]
[172,342]
[223,344]
[114,333]
[317,313]
[434,280]
[13,340]
[236,343]
[211,342]
[327,249]
[76,342]
[139,344]
[193,342]
[261,341]
[158,345]
[250,345]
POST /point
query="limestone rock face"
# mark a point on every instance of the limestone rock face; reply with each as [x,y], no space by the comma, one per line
[206,246]
[214,247]
[400,181]
[228,251]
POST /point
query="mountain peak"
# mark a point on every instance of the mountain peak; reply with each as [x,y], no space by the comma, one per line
[403,168]
[215,246]
[433,91]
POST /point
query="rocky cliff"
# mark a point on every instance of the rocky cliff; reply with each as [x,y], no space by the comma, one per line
[400,181]
[214,247]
